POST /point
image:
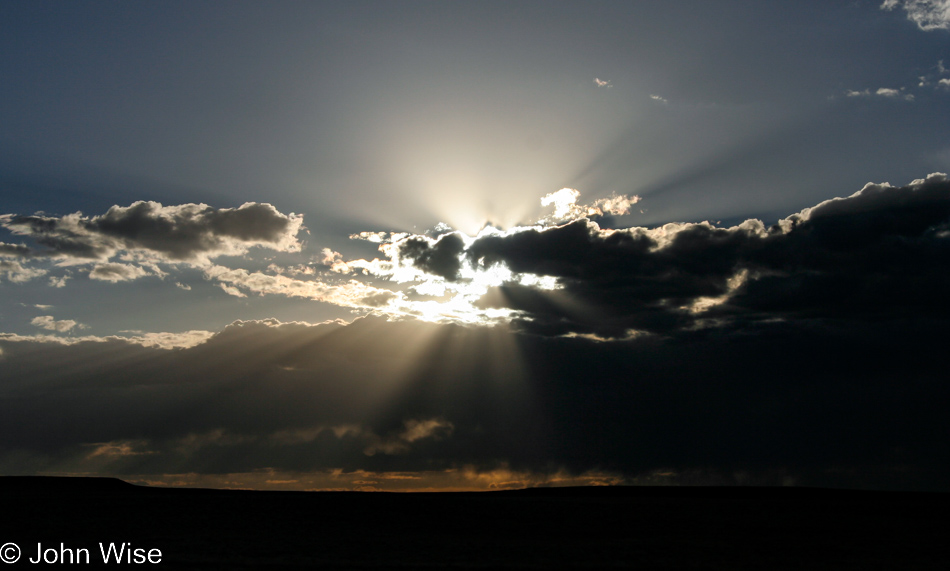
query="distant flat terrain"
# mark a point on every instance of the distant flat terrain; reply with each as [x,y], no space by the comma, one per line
[551,528]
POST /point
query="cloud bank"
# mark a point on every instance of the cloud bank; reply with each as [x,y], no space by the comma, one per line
[878,253]
[808,350]
[192,233]
[821,404]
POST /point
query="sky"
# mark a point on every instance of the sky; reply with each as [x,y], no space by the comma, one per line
[470,246]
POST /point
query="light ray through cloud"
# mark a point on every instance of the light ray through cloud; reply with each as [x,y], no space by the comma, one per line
[475,246]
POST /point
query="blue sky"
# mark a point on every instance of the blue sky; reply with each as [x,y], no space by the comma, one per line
[173,172]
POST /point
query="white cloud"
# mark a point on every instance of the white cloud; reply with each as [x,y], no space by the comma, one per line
[116,272]
[376,237]
[563,201]
[58,282]
[166,340]
[231,290]
[335,261]
[662,100]
[566,207]
[885,92]
[51,324]
[603,82]
[159,340]
[927,14]
[16,273]
[349,294]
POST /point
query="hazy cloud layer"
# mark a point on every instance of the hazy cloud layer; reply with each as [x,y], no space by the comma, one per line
[818,403]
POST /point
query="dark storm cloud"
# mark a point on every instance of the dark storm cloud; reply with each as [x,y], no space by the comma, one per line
[883,251]
[187,232]
[62,237]
[440,258]
[814,402]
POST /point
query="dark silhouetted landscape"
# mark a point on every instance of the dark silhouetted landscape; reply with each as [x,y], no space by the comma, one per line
[541,528]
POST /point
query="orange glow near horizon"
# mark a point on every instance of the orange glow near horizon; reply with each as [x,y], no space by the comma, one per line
[465,479]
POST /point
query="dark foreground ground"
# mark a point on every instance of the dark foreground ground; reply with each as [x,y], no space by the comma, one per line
[566,528]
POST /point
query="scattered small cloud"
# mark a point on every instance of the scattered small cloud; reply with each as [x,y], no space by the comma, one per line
[927,14]
[118,448]
[603,83]
[375,237]
[662,100]
[566,207]
[413,431]
[58,282]
[17,273]
[933,76]
[335,261]
[116,272]
[894,93]
[49,323]
[432,428]
[885,92]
